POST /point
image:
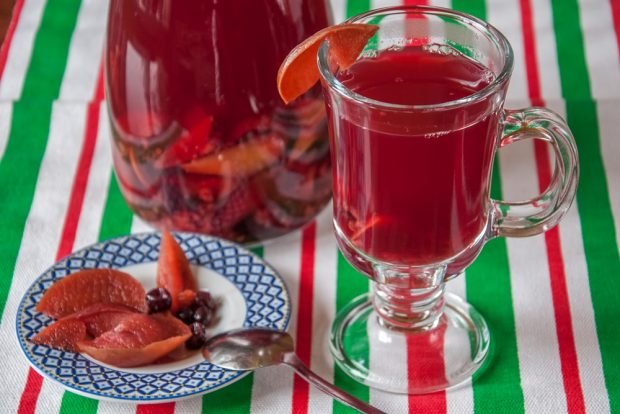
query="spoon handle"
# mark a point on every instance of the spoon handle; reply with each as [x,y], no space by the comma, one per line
[292,360]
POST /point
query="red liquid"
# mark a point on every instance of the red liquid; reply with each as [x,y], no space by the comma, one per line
[196,80]
[415,192]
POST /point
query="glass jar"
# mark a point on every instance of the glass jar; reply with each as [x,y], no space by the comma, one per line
[201,140]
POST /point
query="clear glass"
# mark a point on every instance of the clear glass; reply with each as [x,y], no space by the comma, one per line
[412,206]
[201,140]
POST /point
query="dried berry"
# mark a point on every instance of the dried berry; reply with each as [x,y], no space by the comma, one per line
[186,315]
[204,298]
[198,338]
[203,315]
[158,300]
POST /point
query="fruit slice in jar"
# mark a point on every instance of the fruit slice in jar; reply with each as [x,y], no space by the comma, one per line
[192,143]
[88,287]
[173,271]
[239,204]
[137,340]
[244,159]
[299,72]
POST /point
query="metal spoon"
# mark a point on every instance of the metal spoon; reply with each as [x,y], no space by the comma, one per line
[249,349]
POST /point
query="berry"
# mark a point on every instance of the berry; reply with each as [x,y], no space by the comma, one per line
[158,300]
[198,338]
[203,315]
[186,315]
[204,298]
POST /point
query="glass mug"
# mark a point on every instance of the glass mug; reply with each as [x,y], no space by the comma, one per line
[412,206]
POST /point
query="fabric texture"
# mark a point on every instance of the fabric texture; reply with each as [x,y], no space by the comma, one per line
[552,301]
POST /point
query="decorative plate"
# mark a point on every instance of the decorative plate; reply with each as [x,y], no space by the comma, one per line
[251,294]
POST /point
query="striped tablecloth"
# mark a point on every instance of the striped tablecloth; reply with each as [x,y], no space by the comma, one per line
[552,302]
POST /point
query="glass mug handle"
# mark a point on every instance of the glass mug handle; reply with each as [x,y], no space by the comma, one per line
[539,214]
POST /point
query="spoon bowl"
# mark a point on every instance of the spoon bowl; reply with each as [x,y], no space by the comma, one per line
[248,349]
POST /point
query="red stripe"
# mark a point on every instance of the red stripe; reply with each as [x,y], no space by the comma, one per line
[8,38]
[163,408]
[531,56]
[301,390]
[615,13]
[32,390]
[423,362]
[81,177]
[30,395]
[559,292]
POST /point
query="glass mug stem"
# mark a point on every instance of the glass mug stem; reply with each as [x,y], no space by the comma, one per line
[412,299]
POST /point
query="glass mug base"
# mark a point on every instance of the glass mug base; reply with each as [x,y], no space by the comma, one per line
[410,361]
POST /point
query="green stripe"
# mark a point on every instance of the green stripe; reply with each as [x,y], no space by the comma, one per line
[237,397]
[234,399]
[349,285]
[488,290]
[476,8]
[356,7]
[30,126]
[76,404]
[117,217]
[571,53]
[116,221]
[594,206]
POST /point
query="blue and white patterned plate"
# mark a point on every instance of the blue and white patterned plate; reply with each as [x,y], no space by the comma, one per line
[252,294]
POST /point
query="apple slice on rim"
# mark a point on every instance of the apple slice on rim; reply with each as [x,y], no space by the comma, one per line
[299,72]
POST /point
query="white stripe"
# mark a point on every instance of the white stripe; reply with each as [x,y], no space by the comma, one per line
[188,406]
[140,226]
[601,48]
[441,3]
[109,407]
[272,390]
[339,10]
[392,361]
[610,150]
[376,4]
[85,53]
[461,399]
[21,50]
[537,343]
[589,357]
[506,16]
[6,112]
[323,308]
[40,239]
[96,187]
[546,54]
